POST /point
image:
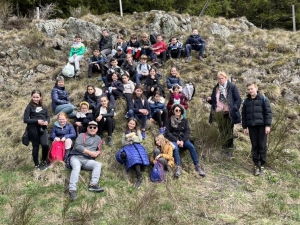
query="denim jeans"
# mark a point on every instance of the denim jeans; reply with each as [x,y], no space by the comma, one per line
[138,78]
[79,161]
[199,48]
[142,117]
[66,108]
[189,146]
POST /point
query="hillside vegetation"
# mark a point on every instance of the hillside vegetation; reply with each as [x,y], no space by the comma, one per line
[229,194]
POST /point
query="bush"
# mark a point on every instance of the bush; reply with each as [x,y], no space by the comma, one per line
[5,10]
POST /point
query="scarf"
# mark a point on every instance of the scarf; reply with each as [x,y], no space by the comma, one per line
[175,121]
[223,94]
[80,115]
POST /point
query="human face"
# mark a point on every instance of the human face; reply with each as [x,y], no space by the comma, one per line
[157,142]
[114,63]
[119,40]
[157,97]
[105,33]
[77,40]
[114,77]
[221,79]
[125,79]
[92,129]
[129,58]
[96,53]
[36,98]
[152,73]
[173,41]
[143,61]
[252,90]
[195,32]
[144,38]
[177,112]
[104,102]
[131,124]
[138,92]
[61,83]
[133,40]
[90,90]
[176,91]
[62,120]
[159,39]
[174,72]
[84,109]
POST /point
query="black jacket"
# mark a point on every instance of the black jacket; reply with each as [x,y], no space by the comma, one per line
[33,114]
[181,133]
[93,100]
[256,111]
[105,43]
[234,103]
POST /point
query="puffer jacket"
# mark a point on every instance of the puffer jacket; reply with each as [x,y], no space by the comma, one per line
[256,111]
[67,131]
[181,133]
[59,96]
[156,105]
[195,40]
[234,103]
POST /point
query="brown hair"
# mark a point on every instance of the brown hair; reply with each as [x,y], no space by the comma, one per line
[36,91]
[177,74]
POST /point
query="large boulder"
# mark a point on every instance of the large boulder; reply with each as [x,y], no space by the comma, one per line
[49,27]
[220,30]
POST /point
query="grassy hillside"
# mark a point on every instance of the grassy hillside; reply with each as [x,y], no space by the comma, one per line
[229,194]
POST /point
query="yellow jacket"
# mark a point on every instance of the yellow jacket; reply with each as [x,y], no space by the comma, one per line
[166,153]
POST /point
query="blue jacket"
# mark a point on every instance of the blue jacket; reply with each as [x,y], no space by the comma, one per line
[67,131]
[171,81]
[136,154]
[99,59]
[156,105]
[195,40]
[234,103]
[59,96]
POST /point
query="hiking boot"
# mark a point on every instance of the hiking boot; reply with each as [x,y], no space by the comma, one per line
[127,115]
[199,169]
[138,183]
[43,166]
[144,135]
[72,195]
[256,171]
[262,170]
[95,188]
[201,58]
[188,59]
[100,79]
[110,141]
[178,171]
[161,130]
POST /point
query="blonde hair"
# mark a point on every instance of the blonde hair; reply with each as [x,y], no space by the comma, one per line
[222,73]
[162,140]
[84,103]
[144,35]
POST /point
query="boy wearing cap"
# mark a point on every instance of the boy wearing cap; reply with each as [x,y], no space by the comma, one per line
[87,148]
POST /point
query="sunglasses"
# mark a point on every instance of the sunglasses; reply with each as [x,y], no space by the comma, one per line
[92,127]
[177,110]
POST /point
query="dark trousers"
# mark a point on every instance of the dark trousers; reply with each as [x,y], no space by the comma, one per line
[161,118]
[174,53]
[226,130]
[106,125]
[38,137]
[137,167]
[162,160]
[115,94]
[163,56]
[93,69]
[128,97]
[258,139]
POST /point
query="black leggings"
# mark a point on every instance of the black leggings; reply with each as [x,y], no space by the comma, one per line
[107,125]
[37,138]
[161,118]
[137,167]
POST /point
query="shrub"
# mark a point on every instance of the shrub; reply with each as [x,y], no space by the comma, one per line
[5,10]
[79,11]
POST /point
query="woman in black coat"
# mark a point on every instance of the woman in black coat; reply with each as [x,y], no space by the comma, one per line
[37,118]
[225,103]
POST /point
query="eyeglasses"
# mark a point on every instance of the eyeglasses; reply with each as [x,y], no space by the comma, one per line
[177,110]
[92,127]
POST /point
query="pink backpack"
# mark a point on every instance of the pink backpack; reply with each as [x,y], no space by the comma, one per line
[57,151]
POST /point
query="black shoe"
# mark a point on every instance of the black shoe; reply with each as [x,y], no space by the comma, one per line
[110,141]
[138,183]
[44,165]
[72,195]
[95,188]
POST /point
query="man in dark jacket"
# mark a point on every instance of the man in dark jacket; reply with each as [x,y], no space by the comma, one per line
[225,103]
[257,117]
[105,43]
[195,42]
[86,149]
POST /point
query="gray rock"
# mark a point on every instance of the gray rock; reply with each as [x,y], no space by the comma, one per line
[49,26]
[24,54]
[43,68]
[10,51]
[123,31]
[295,80]
[2,54]
[220,30]
[252,74]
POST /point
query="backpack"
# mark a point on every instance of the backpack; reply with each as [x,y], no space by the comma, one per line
[57,151]
[189,91]
[70,153]
[68,70]
[158,173]
[152,39]
[148,66]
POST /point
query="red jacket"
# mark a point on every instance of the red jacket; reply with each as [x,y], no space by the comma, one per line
[183,101]
[161,45]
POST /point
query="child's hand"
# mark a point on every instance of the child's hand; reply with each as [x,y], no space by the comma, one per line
[152,120]
[246,131]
